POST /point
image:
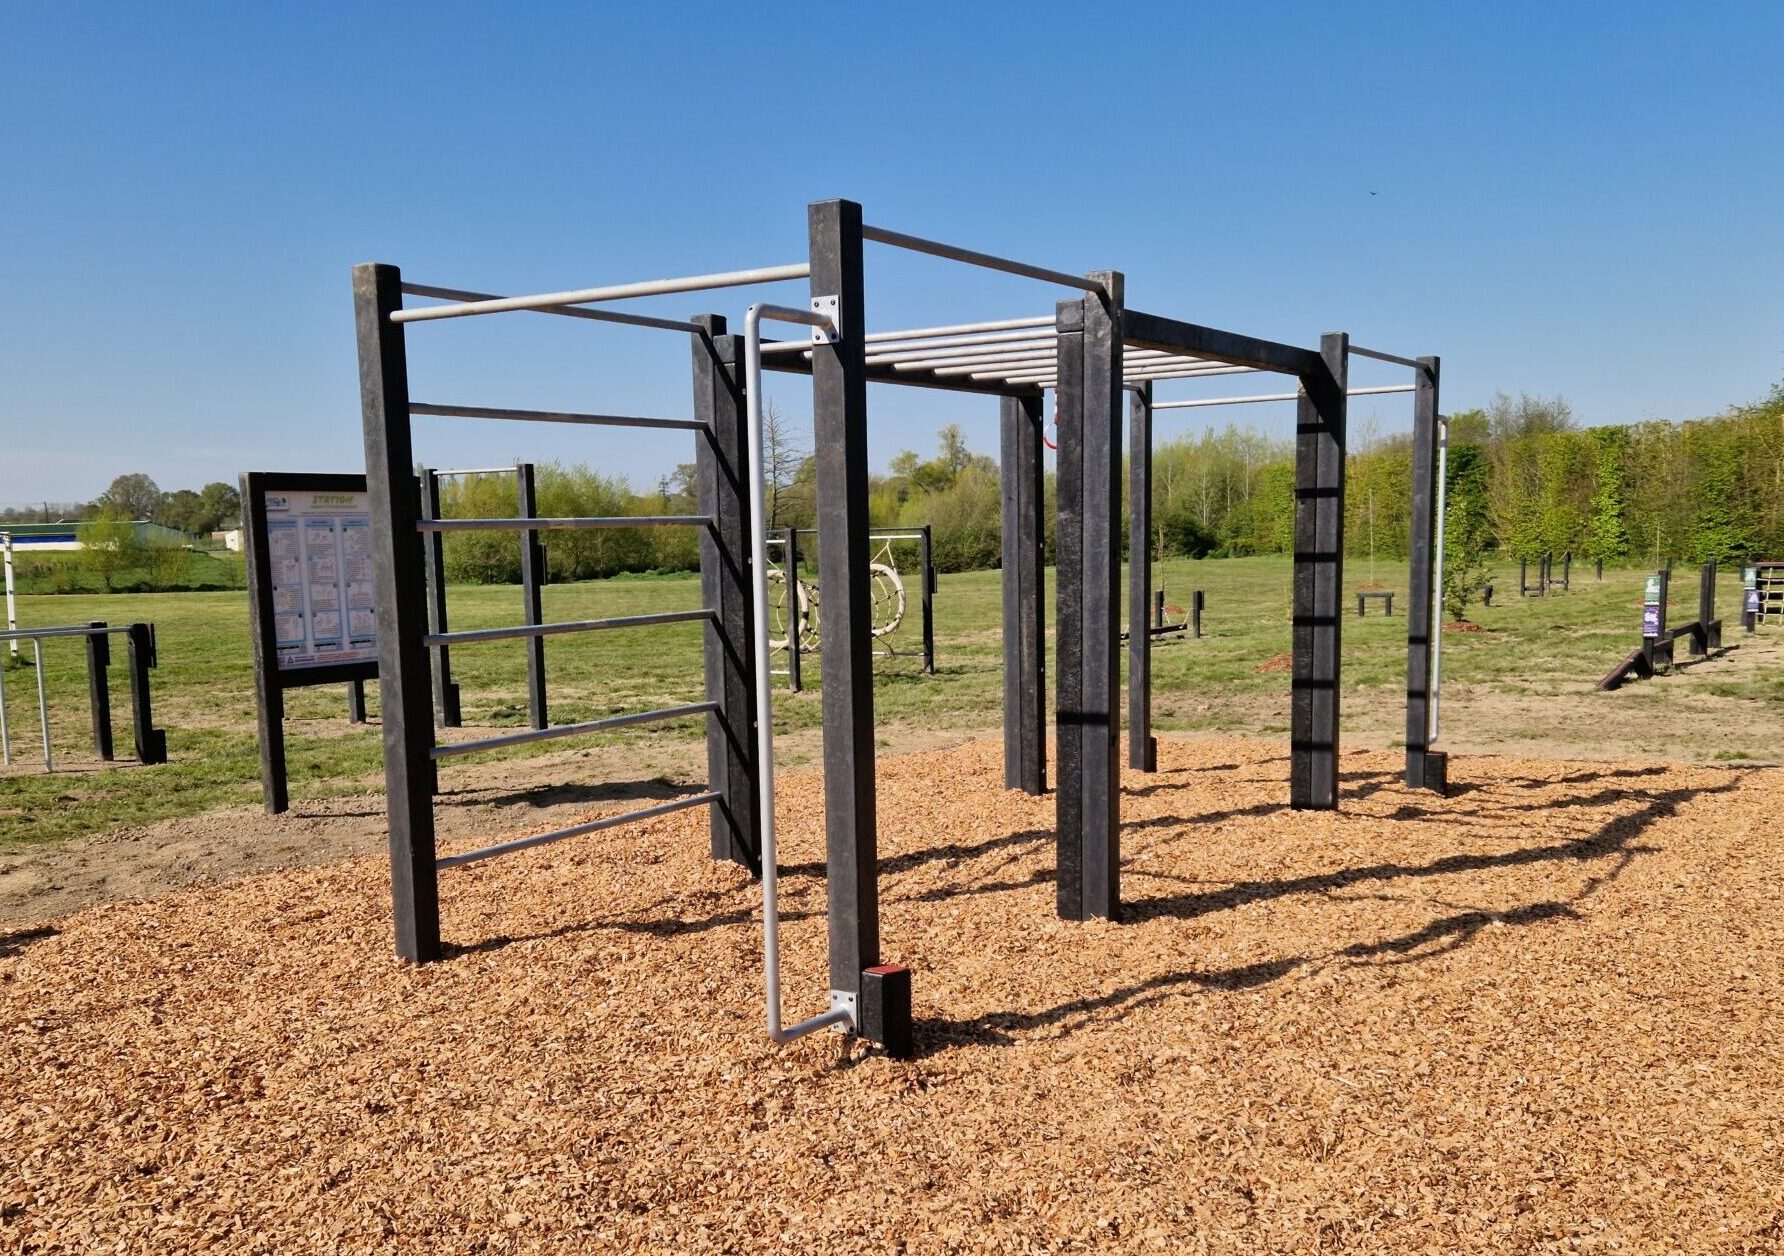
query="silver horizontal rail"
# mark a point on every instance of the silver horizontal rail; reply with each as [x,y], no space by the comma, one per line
[575,830]
[563,524]
[435,410]
[443,472]
[962,329]
[470,636]
[1234,401]
[82,630]
[613,292]
[453,749]
[599,316]
[978,340]
[1379,356]
[935,248]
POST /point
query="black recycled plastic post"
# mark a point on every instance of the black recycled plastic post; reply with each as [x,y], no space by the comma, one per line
[99,689]
[1318,579]
[795,647]
[1425,768]
[399,578]
[446,700]
[720,461]
[356,702]
[151,742]
[532,584]
[1198,601]
[1024,605]
[1088,709]
[928,578]
[1142,749]
[839,407]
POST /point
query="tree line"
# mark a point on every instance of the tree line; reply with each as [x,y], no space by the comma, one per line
[1523,477]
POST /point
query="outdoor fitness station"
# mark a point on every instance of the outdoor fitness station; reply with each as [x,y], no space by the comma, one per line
[1702,635]
[1091,351]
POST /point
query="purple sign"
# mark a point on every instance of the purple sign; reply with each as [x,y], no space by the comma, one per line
[1650,621]
[1753,601]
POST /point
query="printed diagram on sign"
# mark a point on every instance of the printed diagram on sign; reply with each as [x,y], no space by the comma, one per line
[319,551]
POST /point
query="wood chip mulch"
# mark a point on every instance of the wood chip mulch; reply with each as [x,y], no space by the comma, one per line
[1540,1015]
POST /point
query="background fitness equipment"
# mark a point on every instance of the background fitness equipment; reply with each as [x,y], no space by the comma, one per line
[800,599]
[151,742]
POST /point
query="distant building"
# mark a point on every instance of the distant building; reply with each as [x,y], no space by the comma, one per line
[66,535]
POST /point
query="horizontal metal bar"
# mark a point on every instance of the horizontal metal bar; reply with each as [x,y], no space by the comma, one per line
[522,631]
[599,316]
[453,749]
[917,244]
[1294,396]
[550,416]
[33,634]
[961,329]
[980,340]
[563,524]
[1358,352]
[967,366]
[613,292]
[443,472]
[575,830]
[1164,370]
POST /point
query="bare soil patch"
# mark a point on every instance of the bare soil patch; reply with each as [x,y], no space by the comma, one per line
[1536,1016]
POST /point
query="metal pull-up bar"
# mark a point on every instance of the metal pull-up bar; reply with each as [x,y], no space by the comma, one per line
[1379,356]
[764,678]
[917,244]
[613,292]
[1234,401]
[545,416]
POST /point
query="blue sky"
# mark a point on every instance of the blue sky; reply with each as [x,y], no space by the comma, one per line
[1580,199]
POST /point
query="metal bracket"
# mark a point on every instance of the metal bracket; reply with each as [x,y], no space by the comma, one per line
[846,999]
[831,308]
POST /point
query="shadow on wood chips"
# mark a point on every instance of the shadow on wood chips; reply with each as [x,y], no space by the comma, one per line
[1538,1015]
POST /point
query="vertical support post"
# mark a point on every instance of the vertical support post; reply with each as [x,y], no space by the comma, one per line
[1198,600]
[356,702]
[532,584]
[722,482]
[99,688]
[839,410]
[151,742]
[1567,572]
[1425,768]
[1024,603]
[269,693]
[1523,576]
[12,602]
[399,573]
[1318,580]
[928,562]
[1708,626]
[795,620]
[446,703]
[1142,750]
[1598,569]
[1088,709]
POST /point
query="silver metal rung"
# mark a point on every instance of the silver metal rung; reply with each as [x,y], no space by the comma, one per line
[599,316]
[571,730]
[543,525]
[935,248]
[550,416]
[613,292]
[522,631]
[575,830]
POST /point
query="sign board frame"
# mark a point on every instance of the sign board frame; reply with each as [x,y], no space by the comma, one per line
[270,679]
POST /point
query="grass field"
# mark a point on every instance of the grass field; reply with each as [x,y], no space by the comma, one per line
[1524,681]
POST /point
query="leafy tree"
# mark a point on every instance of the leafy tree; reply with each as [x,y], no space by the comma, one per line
[222,505]
[133,496]
[109,546]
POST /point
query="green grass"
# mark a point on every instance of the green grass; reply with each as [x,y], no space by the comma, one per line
[204,693]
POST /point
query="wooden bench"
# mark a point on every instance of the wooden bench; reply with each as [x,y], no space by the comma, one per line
[1382,596]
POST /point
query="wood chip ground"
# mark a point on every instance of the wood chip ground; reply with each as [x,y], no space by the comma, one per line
[1540,1015]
